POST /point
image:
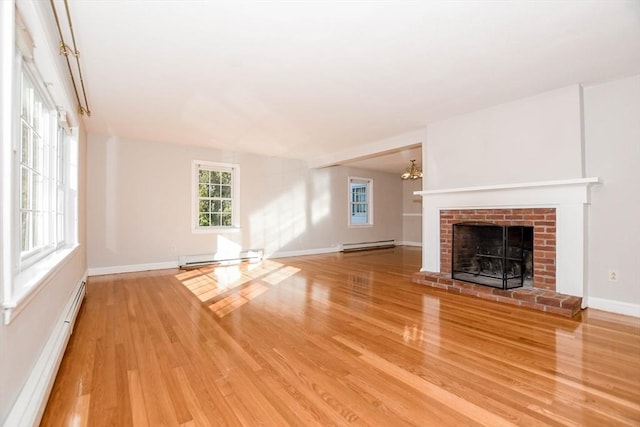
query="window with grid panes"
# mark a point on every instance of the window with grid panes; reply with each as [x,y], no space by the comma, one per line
[216,195]
[41,182]
[41,174]
[360,201]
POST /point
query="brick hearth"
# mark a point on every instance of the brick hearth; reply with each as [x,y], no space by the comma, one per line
[533,298]
[542,296]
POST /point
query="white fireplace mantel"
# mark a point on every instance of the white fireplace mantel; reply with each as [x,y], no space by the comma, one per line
[569,197]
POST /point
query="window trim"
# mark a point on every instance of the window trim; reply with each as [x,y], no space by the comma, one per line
[33,280]
[195,197]
[61,139]
[369,185]
[49,154]
[26,274]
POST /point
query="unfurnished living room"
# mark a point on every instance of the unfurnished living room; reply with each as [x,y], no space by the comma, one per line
[320,212]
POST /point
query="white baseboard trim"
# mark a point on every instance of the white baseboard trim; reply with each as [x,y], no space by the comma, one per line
[407,243]
[614,306]
[117,269]
[32,400]
[99,271]
[304,252]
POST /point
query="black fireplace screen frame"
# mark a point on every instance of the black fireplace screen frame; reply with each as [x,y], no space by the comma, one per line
[498,256]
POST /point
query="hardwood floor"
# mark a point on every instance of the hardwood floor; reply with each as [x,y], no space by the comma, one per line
[338,339]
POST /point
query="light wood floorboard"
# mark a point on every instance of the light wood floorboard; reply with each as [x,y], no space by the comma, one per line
[337,339]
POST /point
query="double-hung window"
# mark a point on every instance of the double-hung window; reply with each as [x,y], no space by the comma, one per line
[42,174]
[39,157]
[216,200]
[360,201]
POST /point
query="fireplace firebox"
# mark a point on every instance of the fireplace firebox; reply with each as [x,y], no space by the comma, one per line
[499,256]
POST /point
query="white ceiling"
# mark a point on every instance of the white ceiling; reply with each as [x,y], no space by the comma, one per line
[309,78]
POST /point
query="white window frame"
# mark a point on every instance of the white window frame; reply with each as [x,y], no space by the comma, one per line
[48,171]
[368,185]
[234,169]
[27,272]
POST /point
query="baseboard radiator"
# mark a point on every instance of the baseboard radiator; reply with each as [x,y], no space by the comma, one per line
[363,246]
[29,407]
[195,261]
[74,308]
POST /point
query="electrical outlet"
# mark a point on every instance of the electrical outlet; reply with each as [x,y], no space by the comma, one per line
[613,276]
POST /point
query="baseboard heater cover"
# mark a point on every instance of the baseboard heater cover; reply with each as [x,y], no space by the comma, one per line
[380,244]
[29,407]
[74,308]
[195,261]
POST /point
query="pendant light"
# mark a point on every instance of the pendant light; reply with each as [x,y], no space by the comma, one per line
[412,172]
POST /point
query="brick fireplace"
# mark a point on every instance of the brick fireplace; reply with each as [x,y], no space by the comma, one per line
[555,210]
[543,221]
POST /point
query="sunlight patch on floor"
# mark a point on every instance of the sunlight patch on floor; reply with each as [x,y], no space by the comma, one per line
[280,275]
[237,284]
[209,285]
[232,302]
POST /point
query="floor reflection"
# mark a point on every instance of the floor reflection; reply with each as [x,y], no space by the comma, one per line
[413,333]
[225,288]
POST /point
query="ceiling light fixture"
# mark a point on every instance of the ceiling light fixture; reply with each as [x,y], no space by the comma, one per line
[412,172]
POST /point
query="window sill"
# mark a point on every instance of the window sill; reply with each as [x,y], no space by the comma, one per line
[32,280]
[360,225]
[215,230]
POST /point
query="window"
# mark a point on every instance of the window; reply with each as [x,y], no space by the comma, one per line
[216,189]
[360,201]
[41,188]
[42,184]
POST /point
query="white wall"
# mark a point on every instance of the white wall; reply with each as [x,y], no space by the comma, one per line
[139,204]
[612,152]
[532,139]
[411,212]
